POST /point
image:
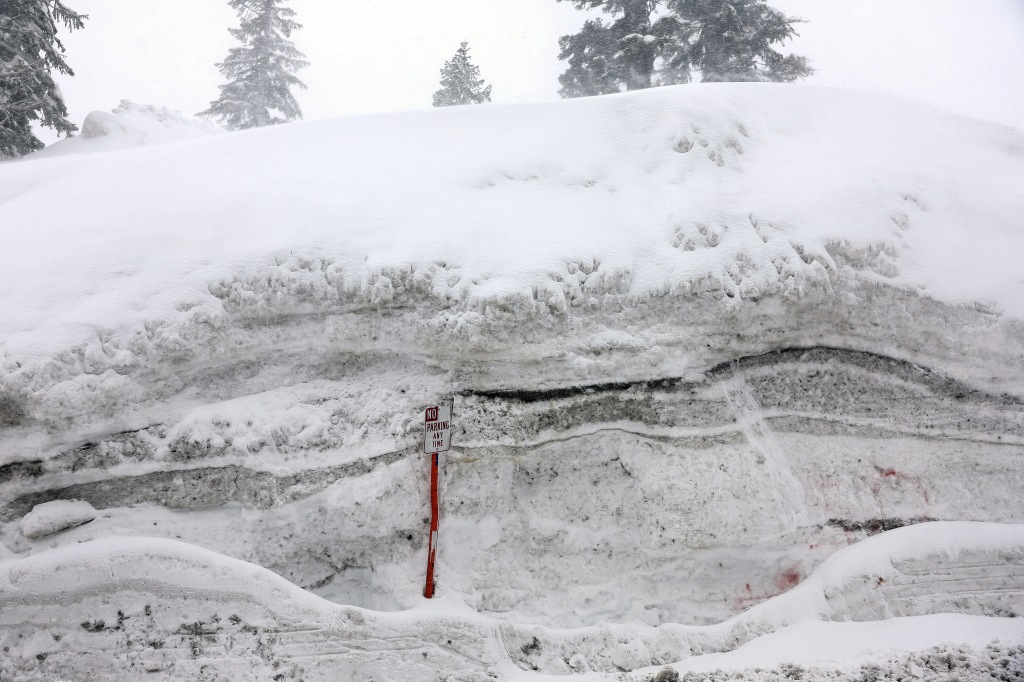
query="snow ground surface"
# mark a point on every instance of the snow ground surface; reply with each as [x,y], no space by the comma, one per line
[225,617]
[737,374]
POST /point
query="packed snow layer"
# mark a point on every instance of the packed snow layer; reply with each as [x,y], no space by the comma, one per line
[697,341]
[172,610]
[656,502]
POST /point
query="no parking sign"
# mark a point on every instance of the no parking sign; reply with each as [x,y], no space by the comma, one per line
[437,438]
[437,429]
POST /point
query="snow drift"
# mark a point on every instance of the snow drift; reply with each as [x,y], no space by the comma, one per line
[696,339]
[129,126]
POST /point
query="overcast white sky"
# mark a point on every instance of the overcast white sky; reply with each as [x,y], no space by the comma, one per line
[370,56]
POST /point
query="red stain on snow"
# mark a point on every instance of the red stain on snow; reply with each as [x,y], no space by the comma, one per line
[901,479]
[783,582]
[787,580]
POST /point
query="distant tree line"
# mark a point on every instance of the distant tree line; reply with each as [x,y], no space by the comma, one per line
[638,44]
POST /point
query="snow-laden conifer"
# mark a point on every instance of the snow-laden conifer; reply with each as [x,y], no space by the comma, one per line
[733,40]
[261,73]
[662,42]
[461,82]
[29,50]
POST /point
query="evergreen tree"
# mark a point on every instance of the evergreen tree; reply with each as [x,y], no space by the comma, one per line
[29,50]
[261,72]
[663,42]
[731,40]
[461,82]
[621,55]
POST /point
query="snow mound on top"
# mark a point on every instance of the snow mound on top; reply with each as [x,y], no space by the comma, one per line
[128,126]
[726,191]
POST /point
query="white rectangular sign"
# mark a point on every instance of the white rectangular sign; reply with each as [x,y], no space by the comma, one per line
[437,429]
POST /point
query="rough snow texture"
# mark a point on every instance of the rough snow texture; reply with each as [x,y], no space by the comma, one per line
[51,517]
[697,340]
[125,607]
[993,662]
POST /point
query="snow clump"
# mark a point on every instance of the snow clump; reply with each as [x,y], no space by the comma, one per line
[51,517]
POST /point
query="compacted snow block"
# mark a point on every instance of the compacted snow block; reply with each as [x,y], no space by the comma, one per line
[52,517]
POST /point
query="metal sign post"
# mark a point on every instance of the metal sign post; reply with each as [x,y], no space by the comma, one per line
[437,438]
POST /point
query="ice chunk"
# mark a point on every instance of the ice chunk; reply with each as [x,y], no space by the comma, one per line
[51,517]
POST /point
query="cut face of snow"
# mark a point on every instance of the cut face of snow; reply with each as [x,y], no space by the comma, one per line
[647,502]
[702,345]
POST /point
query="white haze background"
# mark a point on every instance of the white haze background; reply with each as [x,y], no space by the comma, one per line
[367,56]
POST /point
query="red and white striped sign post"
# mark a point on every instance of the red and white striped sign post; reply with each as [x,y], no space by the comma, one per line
[437,438]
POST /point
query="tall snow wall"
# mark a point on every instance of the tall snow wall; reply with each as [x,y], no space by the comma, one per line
[696,339]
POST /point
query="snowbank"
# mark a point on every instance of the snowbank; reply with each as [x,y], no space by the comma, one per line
[696,340]
[736,190]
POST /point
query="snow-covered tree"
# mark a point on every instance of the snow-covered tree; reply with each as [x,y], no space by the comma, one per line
[261,73]
[732,40]
[29,51]
[461,82]
[661,42]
